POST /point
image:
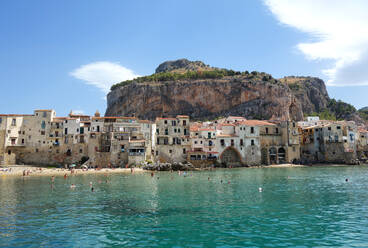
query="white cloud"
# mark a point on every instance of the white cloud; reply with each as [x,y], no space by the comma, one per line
[103,74]
[339,28]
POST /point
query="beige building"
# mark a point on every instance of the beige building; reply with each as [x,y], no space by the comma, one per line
[172,139]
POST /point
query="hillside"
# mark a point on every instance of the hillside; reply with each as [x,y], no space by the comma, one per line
[204,92]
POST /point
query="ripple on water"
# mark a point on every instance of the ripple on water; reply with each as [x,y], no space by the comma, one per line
[297,208]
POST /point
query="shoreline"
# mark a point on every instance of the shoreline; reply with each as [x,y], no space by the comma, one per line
[17,170]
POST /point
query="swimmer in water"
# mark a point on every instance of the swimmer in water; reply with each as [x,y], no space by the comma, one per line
[72,186]
[65,176]
[92,189]
[260,189]
[152,174]
[208,178]
[53,179]
[221,181]
[346,180]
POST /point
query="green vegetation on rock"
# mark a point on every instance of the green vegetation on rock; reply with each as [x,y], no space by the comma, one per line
[193,75]
[363,112]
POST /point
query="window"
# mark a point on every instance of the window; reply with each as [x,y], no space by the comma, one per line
[252,130]
[14,122]
[185,131]
[80,150]
[44,114]
[156,153]
[241,142]
[170,151]
[158,141]
[184,151]
[277,130]
[252,142]
[66,130]
[222,142]
[42,132]
[232,142]
[174,130]
[266,129]
[338,127]
[329,128]
[293,124]
[184,122]
[22,141]
[210,143]
[294,149]
[173,123]
[165,121]
[122,148]
[158,131]
[166,131]
[9,152]
[195,142]
[13,141]
[36,149]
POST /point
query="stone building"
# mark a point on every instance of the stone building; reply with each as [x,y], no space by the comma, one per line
[362,145]
[238,143]
[330,142]
[172,139]
[279,142]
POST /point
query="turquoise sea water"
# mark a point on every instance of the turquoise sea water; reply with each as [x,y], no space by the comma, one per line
[298,207]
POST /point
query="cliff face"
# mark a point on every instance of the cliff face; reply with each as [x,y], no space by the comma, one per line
[204,97]
[311,92]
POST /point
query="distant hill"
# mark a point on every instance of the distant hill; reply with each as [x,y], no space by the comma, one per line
[204,92]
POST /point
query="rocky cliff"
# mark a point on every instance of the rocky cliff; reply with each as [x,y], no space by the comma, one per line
[204,93]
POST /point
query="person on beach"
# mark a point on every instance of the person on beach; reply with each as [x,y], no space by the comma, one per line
[65,176]
[24,173]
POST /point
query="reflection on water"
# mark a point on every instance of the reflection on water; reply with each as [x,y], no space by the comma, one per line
[297,207]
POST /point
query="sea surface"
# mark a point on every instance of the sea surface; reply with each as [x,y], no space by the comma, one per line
[297,207]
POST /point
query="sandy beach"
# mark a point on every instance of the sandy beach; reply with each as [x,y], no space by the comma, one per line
[17,170]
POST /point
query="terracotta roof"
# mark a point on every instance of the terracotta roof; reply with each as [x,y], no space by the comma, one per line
[256,123]
[43,110]
[145,121]
[228,124]
[115,117]
[60,118]
[182,116]
[57,121]
[194,129]
[207,129]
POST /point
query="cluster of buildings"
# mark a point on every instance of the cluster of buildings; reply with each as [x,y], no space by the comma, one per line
[45,139]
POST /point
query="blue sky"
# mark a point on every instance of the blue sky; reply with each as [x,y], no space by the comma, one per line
[51,51]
